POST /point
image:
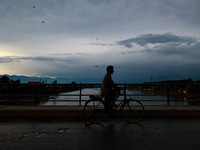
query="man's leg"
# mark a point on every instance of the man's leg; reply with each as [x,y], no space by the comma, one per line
[107,101]
[115,95]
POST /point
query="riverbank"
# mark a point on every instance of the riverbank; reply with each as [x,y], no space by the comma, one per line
[76,111]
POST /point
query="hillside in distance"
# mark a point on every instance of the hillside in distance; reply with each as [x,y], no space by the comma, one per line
[26,79]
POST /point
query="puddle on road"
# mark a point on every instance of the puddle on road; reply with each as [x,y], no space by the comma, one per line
[38,134]
[62,130]
[159,131]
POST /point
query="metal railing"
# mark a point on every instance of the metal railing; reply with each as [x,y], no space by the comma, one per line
[36,94]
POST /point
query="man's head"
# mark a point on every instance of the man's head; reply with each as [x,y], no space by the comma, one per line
[110,69]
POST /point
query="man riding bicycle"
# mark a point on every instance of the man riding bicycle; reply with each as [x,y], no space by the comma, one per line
[109,89]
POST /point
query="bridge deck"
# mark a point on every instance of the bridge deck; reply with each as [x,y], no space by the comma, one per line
[76,111]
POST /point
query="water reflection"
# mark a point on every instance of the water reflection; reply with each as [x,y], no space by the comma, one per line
[62,99]
[146,98]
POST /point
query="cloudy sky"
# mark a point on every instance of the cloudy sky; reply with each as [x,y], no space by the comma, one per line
[77,39]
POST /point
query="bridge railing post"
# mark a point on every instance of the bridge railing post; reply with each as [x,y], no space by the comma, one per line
[168,95]
[35,94]
[80,93]
[125,86]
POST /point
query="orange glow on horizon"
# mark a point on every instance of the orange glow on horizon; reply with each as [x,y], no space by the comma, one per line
[7,50]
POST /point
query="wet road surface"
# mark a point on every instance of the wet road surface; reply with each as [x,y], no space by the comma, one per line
[114,134]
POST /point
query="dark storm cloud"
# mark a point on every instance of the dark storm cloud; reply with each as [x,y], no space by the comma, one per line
[101,44]
[14,59]
[181,50]
[145,39]
[6,59]
[68,54]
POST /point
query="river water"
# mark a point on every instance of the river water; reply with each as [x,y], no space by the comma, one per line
[146,98]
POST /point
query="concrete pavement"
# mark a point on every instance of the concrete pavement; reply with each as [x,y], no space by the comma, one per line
[57,134]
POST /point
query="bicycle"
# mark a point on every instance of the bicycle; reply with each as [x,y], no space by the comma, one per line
[94,109]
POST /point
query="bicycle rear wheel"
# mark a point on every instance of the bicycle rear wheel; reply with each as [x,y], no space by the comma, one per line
[132,111]
[94,110]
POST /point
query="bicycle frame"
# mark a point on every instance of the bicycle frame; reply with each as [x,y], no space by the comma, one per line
[95,111]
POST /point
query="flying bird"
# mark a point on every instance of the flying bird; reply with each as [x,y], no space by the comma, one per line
[33,6]
[96,66]
[42,21]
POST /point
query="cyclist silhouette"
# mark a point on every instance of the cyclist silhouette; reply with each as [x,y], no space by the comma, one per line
[109,89]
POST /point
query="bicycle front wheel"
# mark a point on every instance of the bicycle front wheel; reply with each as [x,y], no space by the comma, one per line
[94,111]
[132,111]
